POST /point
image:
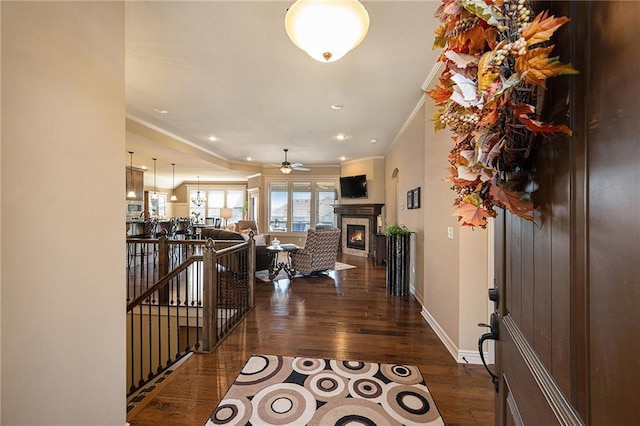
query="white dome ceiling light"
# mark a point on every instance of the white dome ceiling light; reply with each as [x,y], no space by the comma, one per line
[327,29]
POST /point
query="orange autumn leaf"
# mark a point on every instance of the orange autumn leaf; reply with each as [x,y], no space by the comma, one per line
[522,112]
[542,28]
[536,66]
[512,201]
[470,215]
[454,179]
[440,94]
[487,74]
[471,42]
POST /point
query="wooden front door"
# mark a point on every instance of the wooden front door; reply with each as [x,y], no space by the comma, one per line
[569,308]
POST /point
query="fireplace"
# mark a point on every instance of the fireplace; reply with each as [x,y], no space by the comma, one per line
[356,237]
[363,219]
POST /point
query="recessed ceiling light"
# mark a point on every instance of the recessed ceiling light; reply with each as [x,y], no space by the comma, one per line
[336,106]
[374,140]
[249,159]
[161,111]
[343,158]
[341,137]
[212,138]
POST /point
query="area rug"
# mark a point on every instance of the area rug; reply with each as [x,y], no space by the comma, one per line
[282,390]
[264,275]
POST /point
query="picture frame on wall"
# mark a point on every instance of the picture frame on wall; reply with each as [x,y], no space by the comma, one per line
[410,199]
[416,198]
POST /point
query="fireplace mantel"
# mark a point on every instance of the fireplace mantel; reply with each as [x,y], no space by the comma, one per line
[366,211]
[358,209]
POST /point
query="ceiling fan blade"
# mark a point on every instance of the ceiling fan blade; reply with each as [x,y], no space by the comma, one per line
[302,169]
[294,165]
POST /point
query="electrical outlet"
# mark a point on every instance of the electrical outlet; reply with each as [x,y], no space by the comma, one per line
[450,233]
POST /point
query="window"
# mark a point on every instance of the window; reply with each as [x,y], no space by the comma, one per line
[278,206]
[326,196]
[235,201]
[296,206]
[300,206]
[215,201]
[217,197]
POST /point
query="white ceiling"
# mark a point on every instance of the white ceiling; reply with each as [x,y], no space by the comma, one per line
[227,69]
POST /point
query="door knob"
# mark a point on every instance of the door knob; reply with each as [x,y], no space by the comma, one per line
[493,334]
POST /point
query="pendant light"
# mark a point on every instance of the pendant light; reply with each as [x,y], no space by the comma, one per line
[327,30]
[197,200]
[173,185]
[155,187]
[131,193]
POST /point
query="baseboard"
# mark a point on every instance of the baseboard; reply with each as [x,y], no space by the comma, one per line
[446,341]
[461,357]
[471,357]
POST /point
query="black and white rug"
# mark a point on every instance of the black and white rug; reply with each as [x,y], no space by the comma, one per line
[282,390]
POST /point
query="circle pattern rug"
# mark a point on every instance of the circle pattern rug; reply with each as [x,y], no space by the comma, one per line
[281,390]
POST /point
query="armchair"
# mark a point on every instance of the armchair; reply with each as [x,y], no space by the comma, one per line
[319,252]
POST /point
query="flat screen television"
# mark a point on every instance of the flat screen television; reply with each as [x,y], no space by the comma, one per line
[353,186]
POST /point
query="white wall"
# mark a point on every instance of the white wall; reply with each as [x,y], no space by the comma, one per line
[63,140]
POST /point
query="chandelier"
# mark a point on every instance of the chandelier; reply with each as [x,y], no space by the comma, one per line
[132,192]
[327,29]
[198,200]
[173,187]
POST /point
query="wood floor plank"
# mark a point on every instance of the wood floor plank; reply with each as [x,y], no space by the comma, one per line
[346,315]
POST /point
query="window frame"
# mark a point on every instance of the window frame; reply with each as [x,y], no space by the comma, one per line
[313,206]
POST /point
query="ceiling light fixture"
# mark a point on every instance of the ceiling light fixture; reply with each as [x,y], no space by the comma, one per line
[341,137]
[197,200]
[336,106]
[286,169]
[327,30]
[161,111]
[212,138]
[173,185]
[131,193]
[155,187]
[374,140]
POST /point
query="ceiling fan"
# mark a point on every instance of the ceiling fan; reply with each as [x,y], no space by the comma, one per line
[286,167]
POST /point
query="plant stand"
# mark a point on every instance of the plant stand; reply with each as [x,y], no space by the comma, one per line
[398,257]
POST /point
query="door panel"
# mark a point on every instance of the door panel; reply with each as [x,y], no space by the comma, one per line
[569,324]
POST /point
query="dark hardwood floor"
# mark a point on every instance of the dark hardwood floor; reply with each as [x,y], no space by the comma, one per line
[346,316]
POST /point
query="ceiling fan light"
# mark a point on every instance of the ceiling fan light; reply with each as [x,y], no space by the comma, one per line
[327,29]
[286,169]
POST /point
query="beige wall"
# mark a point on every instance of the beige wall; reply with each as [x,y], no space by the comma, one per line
[374,169]
[451,274]
[407,155]
[62,307]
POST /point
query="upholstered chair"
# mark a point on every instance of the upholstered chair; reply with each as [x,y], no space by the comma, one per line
[241,225]
[319,252]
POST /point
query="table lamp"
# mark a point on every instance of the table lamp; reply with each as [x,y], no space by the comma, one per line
[226,213]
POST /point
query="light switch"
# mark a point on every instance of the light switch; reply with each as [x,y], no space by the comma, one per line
[450,233]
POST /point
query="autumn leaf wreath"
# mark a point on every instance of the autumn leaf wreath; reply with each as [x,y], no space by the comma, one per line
[496,60]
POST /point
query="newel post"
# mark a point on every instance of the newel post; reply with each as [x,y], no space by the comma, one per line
[252,270]
[210,297]
[163,266]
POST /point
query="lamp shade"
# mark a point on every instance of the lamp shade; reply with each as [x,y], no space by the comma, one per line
[327,29]
[226,213]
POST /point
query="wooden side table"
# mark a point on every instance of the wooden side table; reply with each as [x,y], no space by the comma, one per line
[380,249]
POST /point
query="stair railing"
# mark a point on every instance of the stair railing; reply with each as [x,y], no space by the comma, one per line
[200,296]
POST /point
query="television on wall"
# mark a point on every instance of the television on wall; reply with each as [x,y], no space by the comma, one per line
[353,186]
